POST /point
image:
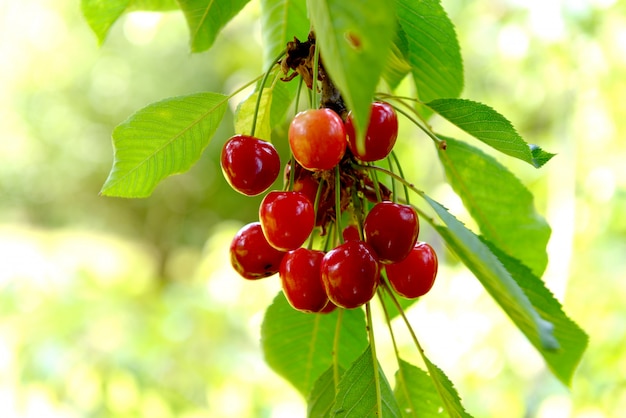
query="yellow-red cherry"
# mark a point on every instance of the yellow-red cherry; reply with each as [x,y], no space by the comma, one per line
[381,135]
[392,230]
[415,275]
[250,165]
[350,274]
[251,255]
[287,219]
[301,280]
[317,138]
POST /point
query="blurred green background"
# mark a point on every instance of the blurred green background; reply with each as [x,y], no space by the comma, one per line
[129,308]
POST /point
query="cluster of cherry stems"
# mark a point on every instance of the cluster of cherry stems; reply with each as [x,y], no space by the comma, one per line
[327,177]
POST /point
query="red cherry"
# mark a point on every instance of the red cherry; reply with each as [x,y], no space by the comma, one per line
[415,275]
[350,274]
[250,165]
[251,255]
[330,307]
[317,138]
[301,280]
[381,134]
[351,233]
[391,229]
[287,219]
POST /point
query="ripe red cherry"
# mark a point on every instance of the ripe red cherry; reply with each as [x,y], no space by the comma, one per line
[351,233]
[250,165]
[251,255]
[287,219]
[381,134]
[415,275]
[391,229]
[350,274]
[301,280]
[317,138]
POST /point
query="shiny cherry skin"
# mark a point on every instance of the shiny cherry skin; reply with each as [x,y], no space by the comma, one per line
[287,219]
[415,275]
[252,256]
[381,135]
[351,233]
[392,230]
[317,138]
[350,274]
[301,280]
[250,165]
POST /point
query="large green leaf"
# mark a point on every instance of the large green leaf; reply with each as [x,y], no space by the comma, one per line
[502,207]
[354,41]
[434,52]
[356,394]
[496,279]
[162,139]
[101,14]
[415,392]
[447,393]
[571,337]
[299,346]
[322,396]
[397,66]
[206,18]
[245,115]
[281,21]
[484,123]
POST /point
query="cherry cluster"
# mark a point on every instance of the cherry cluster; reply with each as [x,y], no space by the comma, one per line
[326,180]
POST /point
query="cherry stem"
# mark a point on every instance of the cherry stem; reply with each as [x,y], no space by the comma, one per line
[335,354]
[406,184]
[298,95]
[379,196]
[338,205]
[260,93]
[370,331]
[316,68]
[406,189]
[393,181]
[316,205]
[439,142]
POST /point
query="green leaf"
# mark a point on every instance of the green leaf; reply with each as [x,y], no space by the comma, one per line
[356,395]
[489,126]
[101,14]
[502,207]
[245,115]
[447,393]
[416,395]
[496,279]
[299,346]
[396,66]
[434,52]
[281,20]
[354,41]
[282,96]
[322,397]
[206,18]
[162,139]
[571,337]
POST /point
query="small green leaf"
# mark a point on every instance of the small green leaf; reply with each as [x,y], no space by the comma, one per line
[496,279]
[571,337]
[281,20]
[499,203]
[434,52]
[245,115]
[101,14]
[415,392]
[354,41]
[162,139]
[206,18]
[322,397]
[356,395]
[299,346]
[489,126]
